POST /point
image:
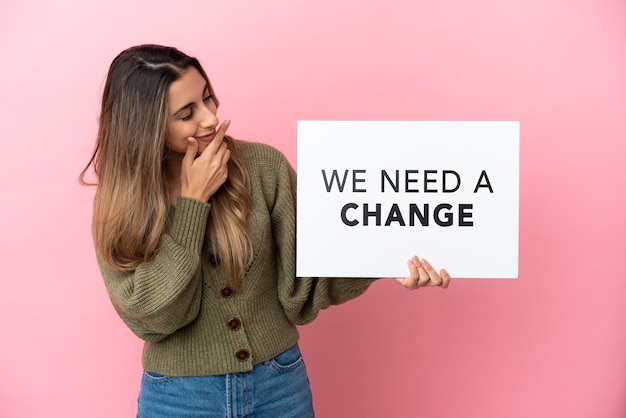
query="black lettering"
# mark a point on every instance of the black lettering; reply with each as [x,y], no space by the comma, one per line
[414,210]
[444,214]
[344,218]
[449,218]
[479,184]
[463,214]
[395,186]
[458,181]
[408,180]
[367,214]
[335,177]
[395,216]
[429,180]
[355,180]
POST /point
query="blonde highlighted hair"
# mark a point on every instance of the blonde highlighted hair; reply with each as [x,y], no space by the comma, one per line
[131,205]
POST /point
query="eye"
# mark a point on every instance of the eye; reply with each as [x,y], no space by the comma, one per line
[188,116]
[209,97]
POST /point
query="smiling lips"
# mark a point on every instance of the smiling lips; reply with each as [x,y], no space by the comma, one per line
[206,138]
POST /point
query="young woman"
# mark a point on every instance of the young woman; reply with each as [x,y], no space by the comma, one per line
[195,237]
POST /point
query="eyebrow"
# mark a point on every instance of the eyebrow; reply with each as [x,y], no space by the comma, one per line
[188,105]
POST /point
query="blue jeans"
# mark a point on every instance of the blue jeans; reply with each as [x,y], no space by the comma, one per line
[278,388]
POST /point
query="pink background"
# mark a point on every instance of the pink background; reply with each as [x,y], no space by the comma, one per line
[551,344]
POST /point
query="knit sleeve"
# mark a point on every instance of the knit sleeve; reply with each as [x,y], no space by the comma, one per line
[302,298]
[164,294]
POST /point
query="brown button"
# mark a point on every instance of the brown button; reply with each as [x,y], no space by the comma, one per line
[226,292]
[242,355]
[233,323]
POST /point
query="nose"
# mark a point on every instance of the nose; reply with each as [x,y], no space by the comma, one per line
[209,118]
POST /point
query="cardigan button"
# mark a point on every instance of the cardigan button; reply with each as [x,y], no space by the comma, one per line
[242,355]
[226,292]
[233,324]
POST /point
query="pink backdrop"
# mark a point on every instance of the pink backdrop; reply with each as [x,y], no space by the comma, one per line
[551,344]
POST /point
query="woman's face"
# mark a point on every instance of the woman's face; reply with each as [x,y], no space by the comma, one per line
[191,111]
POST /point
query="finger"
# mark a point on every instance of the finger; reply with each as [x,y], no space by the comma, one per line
[423,276]
[435,279]
[226,157]
[413,265]
[192,151]
[224,163]
[220,134]
[411,281]
[404,281]
[223,153]
[445,279]
[215,146]
[223,128]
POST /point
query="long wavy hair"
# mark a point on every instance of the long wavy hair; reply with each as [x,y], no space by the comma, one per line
[132,201]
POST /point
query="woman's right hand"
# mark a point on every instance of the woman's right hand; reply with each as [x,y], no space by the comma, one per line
[201,176]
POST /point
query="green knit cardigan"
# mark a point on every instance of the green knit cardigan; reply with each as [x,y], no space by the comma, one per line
[179,302]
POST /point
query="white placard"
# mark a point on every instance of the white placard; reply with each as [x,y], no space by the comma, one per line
[373,193]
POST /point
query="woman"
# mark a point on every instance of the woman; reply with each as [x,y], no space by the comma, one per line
[195,237]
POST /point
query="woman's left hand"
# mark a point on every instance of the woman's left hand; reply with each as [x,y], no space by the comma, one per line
[423,274]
